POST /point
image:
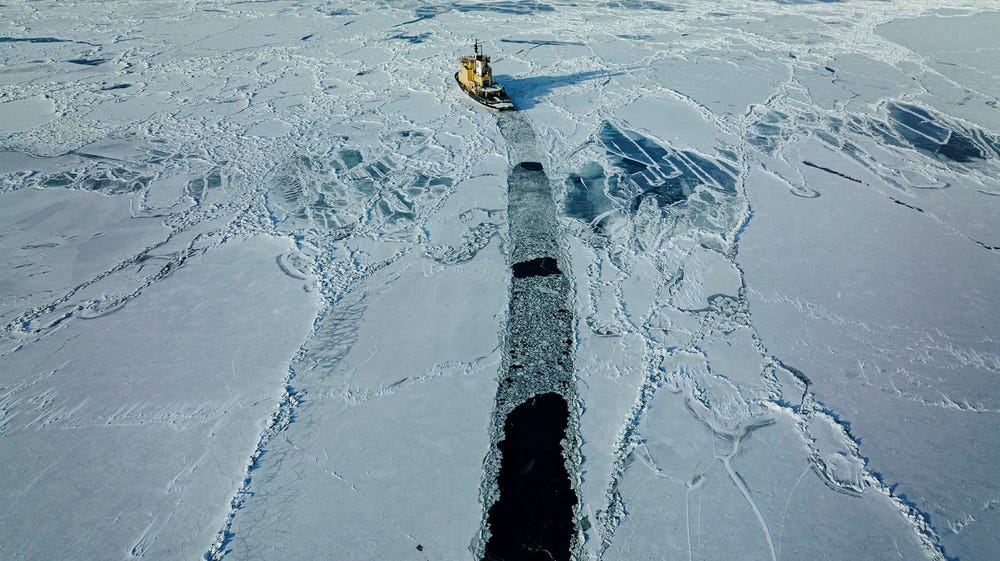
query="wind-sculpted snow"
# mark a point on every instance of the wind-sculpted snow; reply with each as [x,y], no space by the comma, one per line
[513,7]
[648,168]
[342,190]
[641,5]
[263,277]
[940,136]
[660,192]
[900,125]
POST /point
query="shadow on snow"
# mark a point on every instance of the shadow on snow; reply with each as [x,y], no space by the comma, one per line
[527,91]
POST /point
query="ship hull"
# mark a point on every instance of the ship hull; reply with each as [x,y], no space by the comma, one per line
[499,104]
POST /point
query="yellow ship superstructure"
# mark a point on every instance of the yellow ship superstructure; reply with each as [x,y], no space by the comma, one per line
[476,78]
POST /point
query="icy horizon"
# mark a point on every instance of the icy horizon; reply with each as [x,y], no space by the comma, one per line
[274,287]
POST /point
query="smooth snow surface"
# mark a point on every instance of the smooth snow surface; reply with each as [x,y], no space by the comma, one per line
[256,275]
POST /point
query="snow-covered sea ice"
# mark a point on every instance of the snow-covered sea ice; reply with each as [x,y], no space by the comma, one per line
[260,260]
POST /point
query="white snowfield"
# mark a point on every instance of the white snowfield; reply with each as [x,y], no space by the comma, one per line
[254,276]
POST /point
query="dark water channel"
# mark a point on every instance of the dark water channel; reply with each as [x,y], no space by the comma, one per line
[538,267]
[533,520]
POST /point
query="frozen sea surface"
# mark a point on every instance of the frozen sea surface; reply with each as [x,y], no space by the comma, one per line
[261,278]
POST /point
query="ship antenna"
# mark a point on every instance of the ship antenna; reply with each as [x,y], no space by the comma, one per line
[476,47]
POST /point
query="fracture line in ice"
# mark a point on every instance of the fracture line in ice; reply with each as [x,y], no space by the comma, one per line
[337,277]
[811,408]
[722,320]
[22,327]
